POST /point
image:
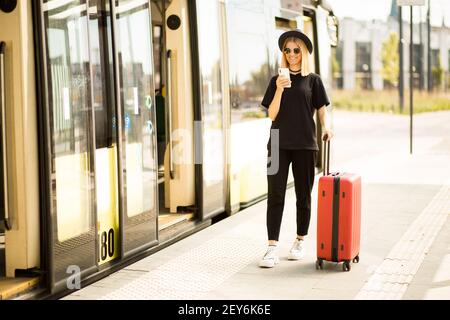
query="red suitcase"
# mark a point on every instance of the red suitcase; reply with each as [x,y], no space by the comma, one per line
[338,217]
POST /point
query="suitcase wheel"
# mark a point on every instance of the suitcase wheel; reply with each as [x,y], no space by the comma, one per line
[346,266]
[319,264]
[356,259]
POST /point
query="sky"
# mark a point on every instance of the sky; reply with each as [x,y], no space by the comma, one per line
[379,9]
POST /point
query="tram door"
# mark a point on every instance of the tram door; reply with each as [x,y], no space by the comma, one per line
[189,106]
[175,113]
[99,121]
[213,112]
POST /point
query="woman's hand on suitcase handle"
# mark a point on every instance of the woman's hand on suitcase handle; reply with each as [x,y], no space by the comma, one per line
[327,135]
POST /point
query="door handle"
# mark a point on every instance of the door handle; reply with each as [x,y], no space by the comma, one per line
[4,219]
[169,112]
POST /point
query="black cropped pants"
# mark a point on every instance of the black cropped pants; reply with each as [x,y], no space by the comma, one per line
[303,169]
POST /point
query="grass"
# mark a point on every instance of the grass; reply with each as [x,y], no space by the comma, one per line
[254,114]
[388,101]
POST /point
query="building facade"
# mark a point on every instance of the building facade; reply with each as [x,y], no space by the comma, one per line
[359,54]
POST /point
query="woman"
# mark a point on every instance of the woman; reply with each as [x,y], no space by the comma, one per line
[291,106]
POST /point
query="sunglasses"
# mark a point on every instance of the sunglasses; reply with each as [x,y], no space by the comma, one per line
[288,50]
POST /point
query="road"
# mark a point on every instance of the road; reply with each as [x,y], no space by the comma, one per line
[363,135]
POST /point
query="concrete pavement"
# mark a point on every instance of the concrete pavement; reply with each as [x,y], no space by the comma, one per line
[405,248]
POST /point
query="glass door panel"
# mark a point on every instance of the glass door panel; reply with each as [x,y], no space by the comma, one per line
[212,111]
[102,171]
[69,104]
[134,50]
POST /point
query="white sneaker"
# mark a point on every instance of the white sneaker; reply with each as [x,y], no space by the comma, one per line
[297,252]
[270,259]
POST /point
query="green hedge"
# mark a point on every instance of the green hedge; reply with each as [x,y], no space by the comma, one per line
[388,101]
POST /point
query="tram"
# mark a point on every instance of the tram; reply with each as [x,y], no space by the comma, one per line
[128,125]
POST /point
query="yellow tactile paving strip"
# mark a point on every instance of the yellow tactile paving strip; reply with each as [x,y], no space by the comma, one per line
[11,287]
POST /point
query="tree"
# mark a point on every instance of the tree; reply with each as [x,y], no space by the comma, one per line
[336,69]
[335,66]
[390,58]
[438,73]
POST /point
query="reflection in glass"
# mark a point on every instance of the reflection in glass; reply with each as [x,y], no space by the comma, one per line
[248,56]
[309,31]
[69,101]
[137,96]
[250,72]
[133,37]
[211,99]
[209,51]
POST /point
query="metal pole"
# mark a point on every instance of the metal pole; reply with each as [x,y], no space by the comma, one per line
[400,52]
[411,84]
[420,66]
[121,142]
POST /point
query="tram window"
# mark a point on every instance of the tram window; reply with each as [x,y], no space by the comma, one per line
[249,73]
[285,24]
[157,51]
[68,91]
[102,81]
[308,29]
[137,97]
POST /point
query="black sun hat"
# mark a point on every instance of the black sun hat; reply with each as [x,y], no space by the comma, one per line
[295,34]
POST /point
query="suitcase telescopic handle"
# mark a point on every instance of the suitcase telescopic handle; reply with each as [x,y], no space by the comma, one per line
[326,168]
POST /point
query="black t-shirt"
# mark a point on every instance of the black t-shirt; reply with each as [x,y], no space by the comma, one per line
[295,120]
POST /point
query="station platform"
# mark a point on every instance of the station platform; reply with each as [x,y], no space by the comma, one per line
[405,235]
